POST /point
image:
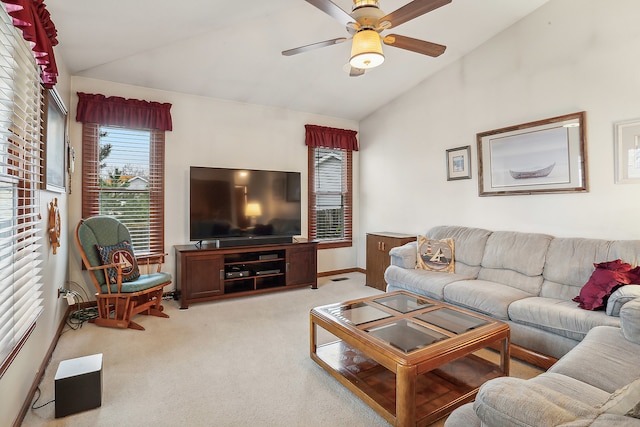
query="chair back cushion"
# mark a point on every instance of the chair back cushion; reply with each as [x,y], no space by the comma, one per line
[102,231]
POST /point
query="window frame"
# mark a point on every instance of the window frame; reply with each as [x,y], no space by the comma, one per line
[91,181]
[347,171]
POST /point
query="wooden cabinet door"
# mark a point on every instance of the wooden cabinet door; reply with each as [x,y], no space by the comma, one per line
[302,264]
[205,275]
[378,259]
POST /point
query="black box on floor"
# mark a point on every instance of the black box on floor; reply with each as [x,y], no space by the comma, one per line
[78,385]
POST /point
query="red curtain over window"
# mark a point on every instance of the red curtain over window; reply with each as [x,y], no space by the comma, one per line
[321,136]
[117,111]
[33,18]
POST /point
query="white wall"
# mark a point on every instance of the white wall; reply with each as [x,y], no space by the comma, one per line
[211,132]
[17,381]
[568,56]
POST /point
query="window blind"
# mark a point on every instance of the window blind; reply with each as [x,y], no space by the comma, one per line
[123,177]
[330,201]
[20,177]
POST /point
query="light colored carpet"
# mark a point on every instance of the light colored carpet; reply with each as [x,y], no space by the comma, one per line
[236,362]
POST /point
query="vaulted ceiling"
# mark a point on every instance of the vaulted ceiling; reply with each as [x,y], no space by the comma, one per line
[231,49]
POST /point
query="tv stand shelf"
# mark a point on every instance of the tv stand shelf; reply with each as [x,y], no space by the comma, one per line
[207,273]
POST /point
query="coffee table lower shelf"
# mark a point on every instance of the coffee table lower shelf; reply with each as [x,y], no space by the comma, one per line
[437,393]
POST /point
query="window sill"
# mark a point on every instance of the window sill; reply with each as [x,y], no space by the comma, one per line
[334,244]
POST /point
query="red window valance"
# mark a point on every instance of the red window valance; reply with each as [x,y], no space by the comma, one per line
[33,18]
[117,111]
[321,136]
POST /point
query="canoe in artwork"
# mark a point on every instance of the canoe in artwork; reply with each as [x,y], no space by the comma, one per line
[532,173]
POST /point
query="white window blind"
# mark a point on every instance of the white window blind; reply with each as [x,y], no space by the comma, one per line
[123,177]
[330,207]
[20,177]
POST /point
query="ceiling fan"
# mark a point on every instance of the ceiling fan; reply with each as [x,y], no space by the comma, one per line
[365,23]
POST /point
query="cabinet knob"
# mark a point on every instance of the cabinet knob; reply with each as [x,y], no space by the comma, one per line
[221,274]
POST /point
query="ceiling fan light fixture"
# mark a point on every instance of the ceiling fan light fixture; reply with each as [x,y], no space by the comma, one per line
[366,50]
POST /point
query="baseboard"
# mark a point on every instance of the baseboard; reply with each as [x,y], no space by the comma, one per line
[344,271]
[40,373]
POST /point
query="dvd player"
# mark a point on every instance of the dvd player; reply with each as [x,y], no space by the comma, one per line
[265,272]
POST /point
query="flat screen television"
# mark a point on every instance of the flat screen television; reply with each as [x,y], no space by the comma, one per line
[243,205]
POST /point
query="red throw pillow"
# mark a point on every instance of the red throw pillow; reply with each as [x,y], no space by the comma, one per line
[603,281]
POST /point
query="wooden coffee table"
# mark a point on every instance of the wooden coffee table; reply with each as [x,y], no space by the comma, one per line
[410,358]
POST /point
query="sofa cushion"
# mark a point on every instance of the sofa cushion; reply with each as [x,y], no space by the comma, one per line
[464,416]
[558,316]
[513,402]
[604,359]
[604,420]
[436,255]
[620,297]
[630,320]
[569,264]
[572,388]
[485,297]
[470,243]
[515,259]
[428,283]
[623,401]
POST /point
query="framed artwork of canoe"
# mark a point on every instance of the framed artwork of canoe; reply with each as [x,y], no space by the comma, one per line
[546,156]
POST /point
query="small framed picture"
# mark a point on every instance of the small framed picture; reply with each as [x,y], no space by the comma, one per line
[627,145]
[459,163]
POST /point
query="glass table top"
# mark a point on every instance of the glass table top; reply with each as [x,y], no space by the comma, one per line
[358,313]
[406,322]
[406,335]
[403,303]
[452,320]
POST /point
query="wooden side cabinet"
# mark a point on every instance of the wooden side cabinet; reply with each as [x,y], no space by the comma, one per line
[205,274]
[378,259]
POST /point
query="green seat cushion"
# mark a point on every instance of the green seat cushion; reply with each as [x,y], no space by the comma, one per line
[145,281]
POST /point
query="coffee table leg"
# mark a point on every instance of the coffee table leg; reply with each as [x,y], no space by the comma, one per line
[406,396]
[505,356]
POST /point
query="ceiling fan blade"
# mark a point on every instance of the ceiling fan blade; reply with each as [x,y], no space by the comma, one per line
[312,46]
[333,10]
[414,45]
[355,72]
[410,11]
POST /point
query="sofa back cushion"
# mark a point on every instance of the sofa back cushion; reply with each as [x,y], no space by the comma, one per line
[626,250]
[469,244]
[515,259]
[569,265]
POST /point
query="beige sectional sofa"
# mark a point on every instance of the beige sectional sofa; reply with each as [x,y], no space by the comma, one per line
[527,280]
[596,384]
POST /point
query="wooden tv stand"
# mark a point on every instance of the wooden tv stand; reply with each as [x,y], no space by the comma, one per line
[207,273]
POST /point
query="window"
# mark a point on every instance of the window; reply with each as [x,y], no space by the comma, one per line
[123,177]
[330,197]
[20,175]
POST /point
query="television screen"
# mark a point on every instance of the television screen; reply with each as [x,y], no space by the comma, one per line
[242,202]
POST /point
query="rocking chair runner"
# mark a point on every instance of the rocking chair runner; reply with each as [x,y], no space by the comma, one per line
[118,301]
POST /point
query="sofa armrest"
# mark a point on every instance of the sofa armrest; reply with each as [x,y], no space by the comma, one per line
[620,297]
[405,256]
[630,320]
[513,402]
